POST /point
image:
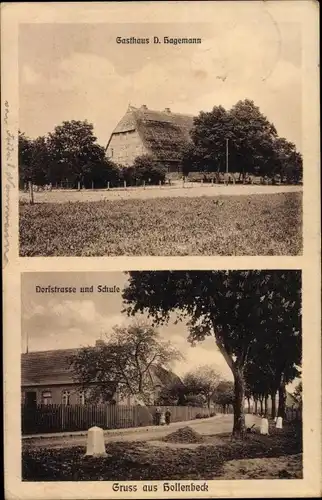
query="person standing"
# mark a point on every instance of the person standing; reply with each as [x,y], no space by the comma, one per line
[157,416]
[167,416]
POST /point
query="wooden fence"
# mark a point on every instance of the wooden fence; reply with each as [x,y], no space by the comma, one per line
[62,418]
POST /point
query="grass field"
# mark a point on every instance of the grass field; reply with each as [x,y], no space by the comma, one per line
[256,224]
[258,457]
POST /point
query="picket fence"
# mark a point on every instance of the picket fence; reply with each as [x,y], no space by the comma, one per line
[61,418]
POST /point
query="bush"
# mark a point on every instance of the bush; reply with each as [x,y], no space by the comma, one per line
[146,169]
[199,415]
[213,414]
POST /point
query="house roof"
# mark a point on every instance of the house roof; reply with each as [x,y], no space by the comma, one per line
[162,132]
[53,368]
[47,367]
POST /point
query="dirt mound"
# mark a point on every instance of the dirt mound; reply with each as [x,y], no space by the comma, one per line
[184,435]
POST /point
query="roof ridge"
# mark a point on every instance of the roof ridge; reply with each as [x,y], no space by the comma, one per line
[171,113]
[52,350]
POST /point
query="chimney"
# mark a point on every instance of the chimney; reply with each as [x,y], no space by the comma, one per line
[99,343]
[144,106]
[167,110]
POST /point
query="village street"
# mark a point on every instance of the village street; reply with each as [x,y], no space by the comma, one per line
[210,426]
[175,191]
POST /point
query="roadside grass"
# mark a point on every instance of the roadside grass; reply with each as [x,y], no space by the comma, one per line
[140,461]
[267,224]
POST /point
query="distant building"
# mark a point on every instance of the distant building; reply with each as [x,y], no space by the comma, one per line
[47,378]
[144,131]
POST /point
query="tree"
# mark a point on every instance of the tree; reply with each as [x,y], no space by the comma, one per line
[173,394]
[253,144]
[74,151]
[208,134]
[123,361]
[34,160]
[241,309]
[202,381]
[252,138]
[298,393]
[24,158]
[224,395]
[288,162]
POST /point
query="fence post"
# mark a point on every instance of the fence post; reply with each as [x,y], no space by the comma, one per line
[143,184]
[183,181]
[108,185]
[62,423]
[124,184]
[212,181]
[78,186]
[31,193]
[92,184]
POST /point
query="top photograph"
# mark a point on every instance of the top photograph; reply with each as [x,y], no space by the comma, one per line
[163,139]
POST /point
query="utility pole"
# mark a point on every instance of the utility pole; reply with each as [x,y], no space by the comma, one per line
[227,140]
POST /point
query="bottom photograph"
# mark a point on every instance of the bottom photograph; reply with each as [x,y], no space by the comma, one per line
[161,375]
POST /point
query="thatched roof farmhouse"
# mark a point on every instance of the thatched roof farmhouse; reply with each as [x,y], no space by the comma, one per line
[145,131]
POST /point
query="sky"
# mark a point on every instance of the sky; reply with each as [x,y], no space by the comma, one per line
[78,71]
[59,321]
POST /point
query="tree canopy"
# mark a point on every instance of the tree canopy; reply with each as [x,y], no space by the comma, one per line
[243,310]
[202,381]
[123,361]
[69,153]
[251,141]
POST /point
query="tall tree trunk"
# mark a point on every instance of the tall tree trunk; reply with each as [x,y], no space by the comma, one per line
[281,398]
[273,398]
[261,402]
[239,416]
[265,405]
[248,401]
[256,403]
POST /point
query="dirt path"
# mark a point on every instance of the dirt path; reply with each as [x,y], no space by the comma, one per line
[215,425]
[190,191]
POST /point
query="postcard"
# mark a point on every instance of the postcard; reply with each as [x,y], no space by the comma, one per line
[161,249]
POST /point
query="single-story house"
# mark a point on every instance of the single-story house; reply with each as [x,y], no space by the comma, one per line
[47,378]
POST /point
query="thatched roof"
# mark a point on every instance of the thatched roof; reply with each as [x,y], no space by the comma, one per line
[162,132]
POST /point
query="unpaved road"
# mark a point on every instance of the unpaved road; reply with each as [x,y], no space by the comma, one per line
[189,191]
[215,425]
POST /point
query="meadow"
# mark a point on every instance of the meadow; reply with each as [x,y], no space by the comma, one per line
[249,224]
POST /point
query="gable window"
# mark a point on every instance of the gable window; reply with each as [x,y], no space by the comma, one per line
[66,398]
[46,398]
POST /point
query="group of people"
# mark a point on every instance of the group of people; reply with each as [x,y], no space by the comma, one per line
[162,417]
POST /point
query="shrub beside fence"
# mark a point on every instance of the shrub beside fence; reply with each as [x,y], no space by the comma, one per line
[61,418]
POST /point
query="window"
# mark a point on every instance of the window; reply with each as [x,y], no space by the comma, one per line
[46,398]
[81,397]
[66,398]
[112,152]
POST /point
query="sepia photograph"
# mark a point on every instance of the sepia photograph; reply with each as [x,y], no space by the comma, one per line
[161,249]
[165,139]
[161,375]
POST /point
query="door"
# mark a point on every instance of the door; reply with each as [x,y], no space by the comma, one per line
[31,398]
